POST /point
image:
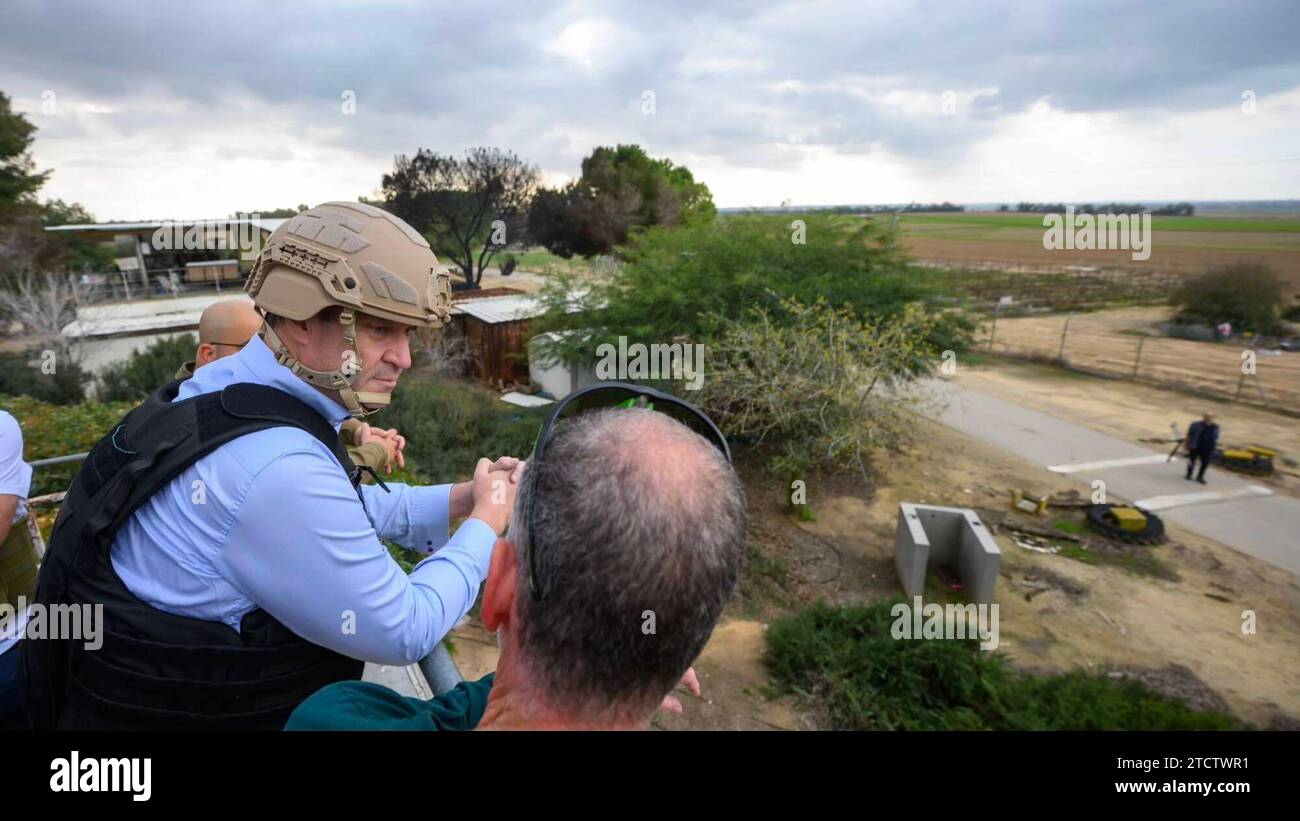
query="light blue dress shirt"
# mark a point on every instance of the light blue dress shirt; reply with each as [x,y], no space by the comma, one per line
[270,520]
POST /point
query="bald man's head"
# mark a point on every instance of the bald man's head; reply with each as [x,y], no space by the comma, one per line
[224,328]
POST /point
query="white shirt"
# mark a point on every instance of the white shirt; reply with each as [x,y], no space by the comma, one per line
[15,480]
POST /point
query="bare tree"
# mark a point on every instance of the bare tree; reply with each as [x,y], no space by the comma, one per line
[471,207]
[44,304]
[447,351]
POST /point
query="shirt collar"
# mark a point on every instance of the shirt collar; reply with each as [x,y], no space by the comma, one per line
[255,363]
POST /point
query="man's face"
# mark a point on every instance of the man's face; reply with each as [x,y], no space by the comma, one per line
[385,349]
[233,325]
[1209,418]
[383,346]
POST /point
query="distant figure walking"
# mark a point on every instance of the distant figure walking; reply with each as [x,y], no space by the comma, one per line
[1202,438]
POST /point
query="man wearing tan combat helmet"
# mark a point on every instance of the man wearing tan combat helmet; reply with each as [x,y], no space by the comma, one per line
[227,325]
[237,559]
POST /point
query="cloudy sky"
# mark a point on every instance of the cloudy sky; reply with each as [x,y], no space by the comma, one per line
[155,110]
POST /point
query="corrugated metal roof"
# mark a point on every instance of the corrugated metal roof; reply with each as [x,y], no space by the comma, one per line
[496,309]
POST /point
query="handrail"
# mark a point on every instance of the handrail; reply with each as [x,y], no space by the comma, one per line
[58,460]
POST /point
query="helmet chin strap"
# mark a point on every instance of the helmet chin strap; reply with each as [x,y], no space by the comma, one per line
[358,403]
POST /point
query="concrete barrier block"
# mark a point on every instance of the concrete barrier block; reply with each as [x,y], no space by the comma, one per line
[954,535]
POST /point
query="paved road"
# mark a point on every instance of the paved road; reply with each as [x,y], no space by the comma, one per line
[1267,527]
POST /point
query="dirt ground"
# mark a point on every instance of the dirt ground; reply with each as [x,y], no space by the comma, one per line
[1179,630]
[1116,341]
[1138,412]
[1176,251]
[1059,613]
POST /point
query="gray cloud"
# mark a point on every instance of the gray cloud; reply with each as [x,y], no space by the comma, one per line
[736,80]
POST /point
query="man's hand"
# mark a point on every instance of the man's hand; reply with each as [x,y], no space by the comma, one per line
[463,499]
[671,703]
[510,463]
[494,493]
[392,441]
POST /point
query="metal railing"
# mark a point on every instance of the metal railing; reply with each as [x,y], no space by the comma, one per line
[164,283]
[438,667]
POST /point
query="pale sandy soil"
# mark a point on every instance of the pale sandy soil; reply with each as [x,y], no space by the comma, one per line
[1118,341]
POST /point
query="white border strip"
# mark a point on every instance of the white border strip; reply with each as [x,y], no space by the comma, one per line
[1149,459]
[1202,498]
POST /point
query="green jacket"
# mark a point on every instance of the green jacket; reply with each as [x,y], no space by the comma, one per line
[372,454]
[362,705]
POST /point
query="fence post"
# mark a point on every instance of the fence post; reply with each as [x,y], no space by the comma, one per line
[1065,330]
[1260,385]
[1137,360]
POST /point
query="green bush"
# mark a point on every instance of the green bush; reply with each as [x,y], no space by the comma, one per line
[449,425]
[59,430]
[685,281]
[815,378]
[146,371]
[845,660]
[21,375]
[1247,294]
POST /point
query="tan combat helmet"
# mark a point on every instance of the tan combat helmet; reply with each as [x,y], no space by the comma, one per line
[360,258]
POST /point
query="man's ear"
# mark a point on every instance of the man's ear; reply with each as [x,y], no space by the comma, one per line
[296,329]
[206,353]
[502,584]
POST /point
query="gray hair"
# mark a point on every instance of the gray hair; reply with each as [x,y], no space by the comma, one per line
[639,523]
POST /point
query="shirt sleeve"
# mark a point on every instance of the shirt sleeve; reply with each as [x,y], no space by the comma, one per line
[301,547]
[415,517]
[15,474]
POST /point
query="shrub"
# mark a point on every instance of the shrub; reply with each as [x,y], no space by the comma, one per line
[59,430]
[21,375]
[1247,294]
[146,371]
[450,424]
[684,281]
[828,386]
[861,678]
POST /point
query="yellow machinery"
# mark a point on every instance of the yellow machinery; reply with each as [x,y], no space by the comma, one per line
[1129,518]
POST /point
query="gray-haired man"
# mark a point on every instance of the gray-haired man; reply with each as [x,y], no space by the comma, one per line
[637,537]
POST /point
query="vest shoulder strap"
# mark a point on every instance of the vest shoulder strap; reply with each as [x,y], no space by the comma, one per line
[159,439]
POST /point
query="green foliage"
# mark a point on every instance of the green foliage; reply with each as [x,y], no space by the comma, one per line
[146,371]
[58,212]
[20,375]
[1247,294]
[78,254]
[620,189]
[845,660]
[685,282]
[449,425]
[828,386]
[18,179]
[59,430]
